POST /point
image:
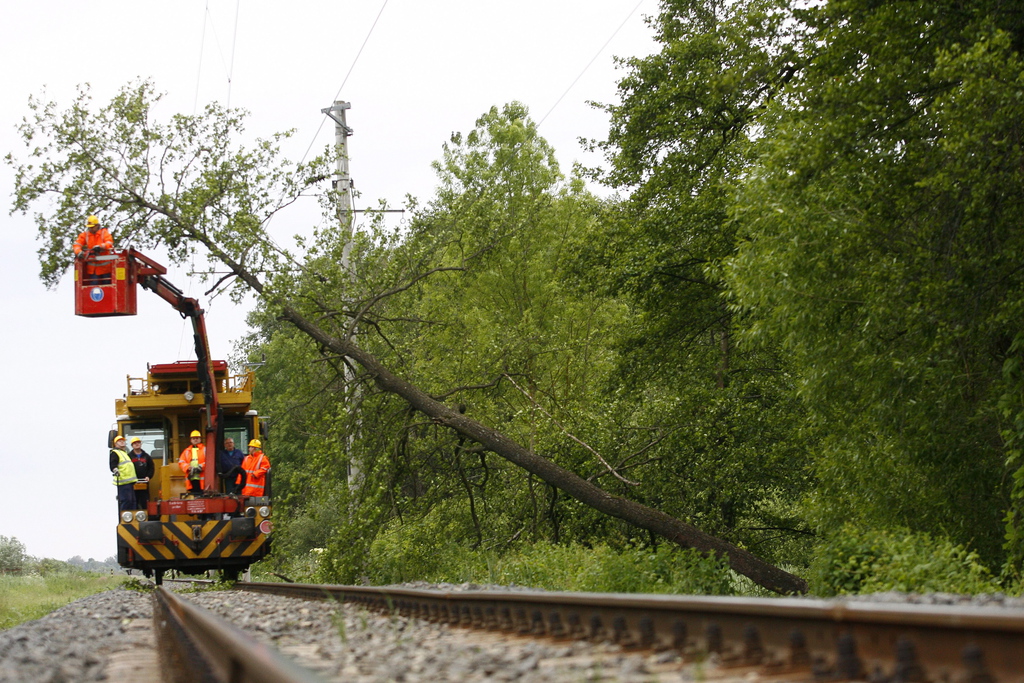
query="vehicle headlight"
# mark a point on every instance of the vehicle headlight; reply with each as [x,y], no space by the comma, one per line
[250,512]
[126,516]
[264,511]
[141,516]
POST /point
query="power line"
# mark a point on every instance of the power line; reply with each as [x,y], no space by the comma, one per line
[207,18]
[355,60]
[234,43]
[229,69]
[591,62]
[345,80]
[264,226]
[202,45]
[220,48]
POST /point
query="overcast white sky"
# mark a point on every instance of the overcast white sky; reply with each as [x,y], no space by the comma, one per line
[427,69]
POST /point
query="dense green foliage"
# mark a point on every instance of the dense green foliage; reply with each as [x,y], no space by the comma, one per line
[399,556]
[882,246]
[419,552]
[476,311]
[873,561]
[846,176]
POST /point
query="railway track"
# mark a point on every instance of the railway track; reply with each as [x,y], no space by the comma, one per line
[727,638]
[196,646]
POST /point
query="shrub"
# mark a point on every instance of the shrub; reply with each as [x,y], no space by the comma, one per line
[861,560]
[431,548]
[48,566]
[427,550]
[12,554]
[603,569]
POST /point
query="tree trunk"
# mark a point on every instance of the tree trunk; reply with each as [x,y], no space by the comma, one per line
[760,572]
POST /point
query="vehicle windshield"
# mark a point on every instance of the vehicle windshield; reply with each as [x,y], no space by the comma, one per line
[152,436]
[237,429]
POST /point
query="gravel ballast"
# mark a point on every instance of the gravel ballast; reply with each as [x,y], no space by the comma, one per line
[346,642]
[90,639]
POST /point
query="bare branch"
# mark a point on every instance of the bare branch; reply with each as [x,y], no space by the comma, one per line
[393,291]
[469,387]
[571,436]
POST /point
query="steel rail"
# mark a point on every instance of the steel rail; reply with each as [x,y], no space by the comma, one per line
[801,638]
[196,645]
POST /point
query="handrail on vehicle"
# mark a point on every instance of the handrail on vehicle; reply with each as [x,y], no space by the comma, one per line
[232,384]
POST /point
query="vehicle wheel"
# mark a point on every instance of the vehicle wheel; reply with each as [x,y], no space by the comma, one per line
[229,575]
[158,576]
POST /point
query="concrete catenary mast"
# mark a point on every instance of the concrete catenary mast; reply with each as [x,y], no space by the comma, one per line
[343,188]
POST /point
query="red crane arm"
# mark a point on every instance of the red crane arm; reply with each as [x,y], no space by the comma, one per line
[150,275]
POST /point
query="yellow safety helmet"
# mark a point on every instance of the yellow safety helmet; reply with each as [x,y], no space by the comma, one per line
[195,432]
[92,221]
[118,438]
[255,443]
[134,439]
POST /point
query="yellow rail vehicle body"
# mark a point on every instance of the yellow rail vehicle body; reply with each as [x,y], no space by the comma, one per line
[179,530]
[215,544]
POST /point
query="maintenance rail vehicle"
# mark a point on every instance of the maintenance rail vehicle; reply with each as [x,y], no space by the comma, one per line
[178,530]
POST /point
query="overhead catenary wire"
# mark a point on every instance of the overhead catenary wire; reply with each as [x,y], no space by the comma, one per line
[234,43]
[553,107]
[265,226]
[345,80]
[202,46]
[591,62]
[355,60]
[229,68]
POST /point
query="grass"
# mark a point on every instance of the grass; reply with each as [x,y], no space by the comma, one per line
[24,598]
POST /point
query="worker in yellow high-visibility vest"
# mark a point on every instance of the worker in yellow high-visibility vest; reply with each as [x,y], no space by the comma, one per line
[123,469]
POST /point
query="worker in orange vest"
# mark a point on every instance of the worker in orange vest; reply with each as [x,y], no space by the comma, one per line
[95,241]
[192,462]
[256,466]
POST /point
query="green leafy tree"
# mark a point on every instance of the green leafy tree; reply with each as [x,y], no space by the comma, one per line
[179,185]
[519,352]
[882,246]
[681,138]
[829,194]
[12,554]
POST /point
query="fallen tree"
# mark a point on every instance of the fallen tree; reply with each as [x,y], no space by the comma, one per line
[185,184]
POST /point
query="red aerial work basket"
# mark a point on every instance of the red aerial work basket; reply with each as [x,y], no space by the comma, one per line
[105,285]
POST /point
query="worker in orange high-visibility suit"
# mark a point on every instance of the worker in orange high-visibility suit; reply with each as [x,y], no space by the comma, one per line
[256,466]
[95,241]
[192,462]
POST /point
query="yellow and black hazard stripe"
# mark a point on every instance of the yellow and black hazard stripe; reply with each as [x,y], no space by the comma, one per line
[180,542]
